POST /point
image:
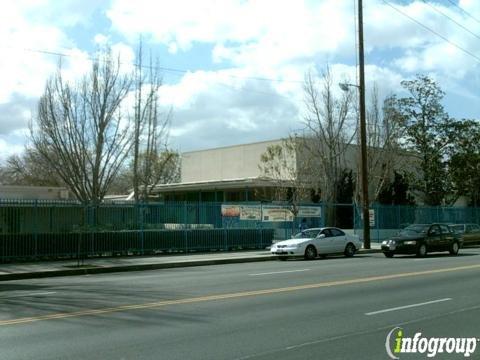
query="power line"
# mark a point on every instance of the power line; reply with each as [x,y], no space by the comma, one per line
[433,31]
[167,69]
[463,10]
[180,71]
[355,14]
[451,19]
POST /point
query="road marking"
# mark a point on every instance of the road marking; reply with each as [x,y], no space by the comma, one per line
[407,306]
[237,295]
[29,294]
[356,334]
[279,272]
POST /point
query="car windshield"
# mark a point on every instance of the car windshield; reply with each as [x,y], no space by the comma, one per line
[414,230]
[306,234]
[457,228]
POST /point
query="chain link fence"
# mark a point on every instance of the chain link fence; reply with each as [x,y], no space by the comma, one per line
[31,230]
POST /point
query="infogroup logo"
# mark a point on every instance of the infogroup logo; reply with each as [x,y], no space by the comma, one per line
[397,343]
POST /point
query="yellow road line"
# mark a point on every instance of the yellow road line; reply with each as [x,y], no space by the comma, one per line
[230,295]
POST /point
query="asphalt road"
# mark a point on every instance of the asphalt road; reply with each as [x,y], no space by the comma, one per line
[336,308]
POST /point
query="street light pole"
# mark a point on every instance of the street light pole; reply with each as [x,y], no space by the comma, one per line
[363,131]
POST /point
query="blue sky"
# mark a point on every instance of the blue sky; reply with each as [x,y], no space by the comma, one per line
[220,47]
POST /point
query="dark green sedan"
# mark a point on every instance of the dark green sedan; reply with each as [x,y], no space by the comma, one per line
[420,239]
[470,233]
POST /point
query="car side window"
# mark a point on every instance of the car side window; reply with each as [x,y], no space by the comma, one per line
[445,229]
[327,232]
[474,228]
[434,230]
[336,232]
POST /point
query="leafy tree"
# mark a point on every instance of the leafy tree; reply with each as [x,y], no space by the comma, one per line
[464,160]
[345,187]
[397,192]
[426,133]
[345,195]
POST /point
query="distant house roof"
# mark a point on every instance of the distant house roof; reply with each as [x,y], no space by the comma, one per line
[212,185]
[221,184]
[18,192]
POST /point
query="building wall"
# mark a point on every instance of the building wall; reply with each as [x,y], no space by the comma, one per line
[242,161]
[232,162]
[33,193]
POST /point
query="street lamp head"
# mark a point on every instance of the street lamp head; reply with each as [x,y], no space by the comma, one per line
[343,86]
[347,86]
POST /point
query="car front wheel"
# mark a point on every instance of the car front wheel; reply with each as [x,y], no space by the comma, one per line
[422,250]
[454,248]
[349,250]
[388,254]
[310,252]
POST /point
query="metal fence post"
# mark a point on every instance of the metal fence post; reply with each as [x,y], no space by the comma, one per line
[142,228]
[35,231]
[354,212]
[185,225]
[399,216]
[91,223]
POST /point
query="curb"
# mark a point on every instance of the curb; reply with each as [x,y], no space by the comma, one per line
[369,251]
[143,267]
[125,268]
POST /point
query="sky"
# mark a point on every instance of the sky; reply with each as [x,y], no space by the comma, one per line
[233,70]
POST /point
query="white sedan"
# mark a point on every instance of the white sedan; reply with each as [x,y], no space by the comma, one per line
[317,241]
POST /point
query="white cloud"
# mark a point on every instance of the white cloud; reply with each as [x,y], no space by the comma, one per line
[251,39]
[22,70]
[31,33]
[265,37]
[218,108]
[101,39]
[437,50]
[269,33]
[7,148]
[245,32]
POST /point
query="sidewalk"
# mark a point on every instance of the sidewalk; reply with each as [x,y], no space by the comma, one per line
[33,270]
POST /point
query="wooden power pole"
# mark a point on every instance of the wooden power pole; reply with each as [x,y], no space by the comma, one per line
[363,131]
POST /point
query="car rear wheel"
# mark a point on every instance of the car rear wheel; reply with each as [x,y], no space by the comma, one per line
[422,250]
[388,254]
[349,250]
[310,252]
[454,248]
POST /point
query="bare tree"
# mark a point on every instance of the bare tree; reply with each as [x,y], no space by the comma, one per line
[29,168]
[157,168]
[279,164]
[153,161]
[80,129]
[329,130]
[383,133]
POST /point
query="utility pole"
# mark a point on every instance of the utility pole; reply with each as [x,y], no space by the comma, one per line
[363,131]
